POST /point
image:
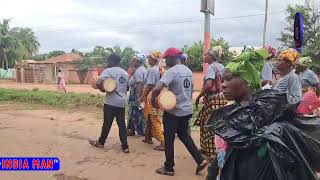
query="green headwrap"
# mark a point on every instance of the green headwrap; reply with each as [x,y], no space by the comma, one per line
[305,62]
[249,66]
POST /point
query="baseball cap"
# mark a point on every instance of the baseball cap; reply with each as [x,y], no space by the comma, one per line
[174,52]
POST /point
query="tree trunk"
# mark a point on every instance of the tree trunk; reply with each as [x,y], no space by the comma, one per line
[5,58]
[2,58]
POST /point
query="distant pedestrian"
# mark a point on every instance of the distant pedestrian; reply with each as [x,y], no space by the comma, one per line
[61,81]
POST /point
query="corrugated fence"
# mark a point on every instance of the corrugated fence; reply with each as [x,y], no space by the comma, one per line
[7,74]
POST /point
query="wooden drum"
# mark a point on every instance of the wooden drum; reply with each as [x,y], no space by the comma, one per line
[166,100]
[107,85]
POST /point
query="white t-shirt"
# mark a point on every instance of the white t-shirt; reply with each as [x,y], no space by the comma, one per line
[291,85]
[178,79]
[118,97]
[213,69]
[153,76]
[308,78]
[139,75]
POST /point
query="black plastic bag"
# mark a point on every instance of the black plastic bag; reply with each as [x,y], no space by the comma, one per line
[267,122]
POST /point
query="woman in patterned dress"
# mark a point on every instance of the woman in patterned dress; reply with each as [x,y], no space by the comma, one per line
[211,100]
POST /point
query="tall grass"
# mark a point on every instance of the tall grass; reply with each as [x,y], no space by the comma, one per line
[55,99]
[60,100]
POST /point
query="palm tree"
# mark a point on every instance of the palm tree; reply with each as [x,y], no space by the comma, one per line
[16,44]
[29,42]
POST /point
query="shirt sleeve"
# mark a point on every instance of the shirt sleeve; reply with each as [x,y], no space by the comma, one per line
[151,78]
[313,79]
[211,73]
[139,76]
[105,74]
[167,77]
[294,92]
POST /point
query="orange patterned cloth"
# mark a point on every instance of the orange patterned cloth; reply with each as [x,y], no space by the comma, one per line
[289,55]
[153,125]
[155,55]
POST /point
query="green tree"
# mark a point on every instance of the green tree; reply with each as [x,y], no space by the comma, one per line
[97,57]
[29,43]
[16,44]
[8,45]
[39,57]
[74,51]
[311,41]
[126,55]
[195,53]
[93,59]
[54,54]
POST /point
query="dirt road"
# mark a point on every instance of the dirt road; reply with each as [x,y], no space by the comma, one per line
[28,132]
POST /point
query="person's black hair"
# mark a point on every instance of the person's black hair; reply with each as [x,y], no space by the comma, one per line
[114,58]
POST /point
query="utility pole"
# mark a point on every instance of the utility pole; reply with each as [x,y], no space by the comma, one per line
[207,7]
[265,24]
[207,38]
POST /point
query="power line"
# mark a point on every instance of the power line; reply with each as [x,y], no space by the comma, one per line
[197,20]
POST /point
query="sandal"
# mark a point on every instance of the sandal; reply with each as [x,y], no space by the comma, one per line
[125,150]
[163,171]
[159,148]
[202,166]
[131,133]
[95,143]
[147,141]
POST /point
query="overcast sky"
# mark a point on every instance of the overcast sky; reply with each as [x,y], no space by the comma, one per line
[142,24]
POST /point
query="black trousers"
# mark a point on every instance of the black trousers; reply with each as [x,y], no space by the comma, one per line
[109,113]
[173,124]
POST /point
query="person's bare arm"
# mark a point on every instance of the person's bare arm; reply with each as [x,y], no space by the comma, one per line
[139,89]
[148,88]
[205,90]
[155,93]
[264,82]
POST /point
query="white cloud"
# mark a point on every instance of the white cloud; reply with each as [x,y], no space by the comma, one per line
[143,24]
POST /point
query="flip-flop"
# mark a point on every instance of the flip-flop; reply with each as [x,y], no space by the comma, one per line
[95,143]
[147,141]
[159,148]
[163,171]
[202,166]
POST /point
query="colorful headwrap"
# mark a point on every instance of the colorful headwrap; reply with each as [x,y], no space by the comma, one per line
[247,48]
[183,57]
[216,52]
[290,54]
[155,55]
[140,57]
[305,62]
[249,66]
[272,51]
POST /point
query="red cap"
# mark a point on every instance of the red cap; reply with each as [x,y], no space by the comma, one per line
[173,52]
